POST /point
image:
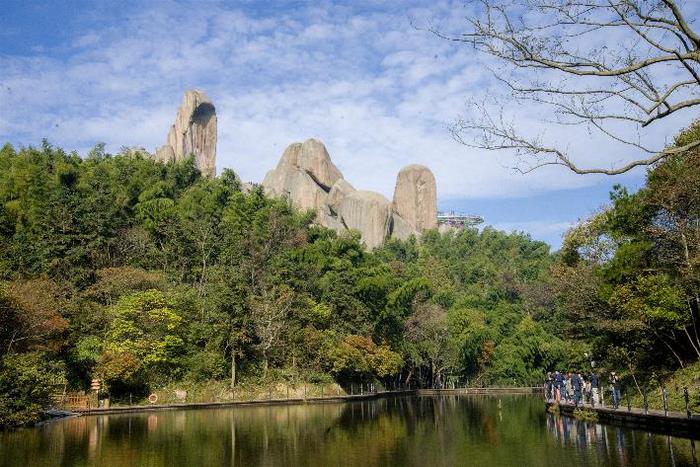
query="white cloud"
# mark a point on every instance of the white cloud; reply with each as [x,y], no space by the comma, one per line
[378,92]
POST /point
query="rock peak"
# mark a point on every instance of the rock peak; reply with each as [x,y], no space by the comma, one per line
[312,157]
[306,176]
[415,197]
[193,133]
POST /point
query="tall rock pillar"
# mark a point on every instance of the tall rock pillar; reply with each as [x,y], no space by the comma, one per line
[415,197]
[193,133]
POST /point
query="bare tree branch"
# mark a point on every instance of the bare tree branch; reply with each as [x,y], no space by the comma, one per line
[496,134]
[608,64]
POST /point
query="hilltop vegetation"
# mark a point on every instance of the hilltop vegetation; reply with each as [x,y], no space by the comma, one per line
[628,279]
[146,274]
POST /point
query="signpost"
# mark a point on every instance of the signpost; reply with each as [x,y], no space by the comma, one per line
[95,385]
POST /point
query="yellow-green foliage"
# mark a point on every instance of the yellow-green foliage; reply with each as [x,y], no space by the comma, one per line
[586,414]
[142,332]
[360,355]
[689,135]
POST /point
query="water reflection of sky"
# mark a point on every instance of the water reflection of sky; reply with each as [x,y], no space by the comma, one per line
[619,443]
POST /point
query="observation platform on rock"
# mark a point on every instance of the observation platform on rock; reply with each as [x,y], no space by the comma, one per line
[458,220]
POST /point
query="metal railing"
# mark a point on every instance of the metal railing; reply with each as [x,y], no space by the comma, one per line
[661,400]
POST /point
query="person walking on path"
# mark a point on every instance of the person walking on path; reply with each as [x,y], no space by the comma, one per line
[558,385]
[593,378]
[569,387]
[615,388]
[576,386]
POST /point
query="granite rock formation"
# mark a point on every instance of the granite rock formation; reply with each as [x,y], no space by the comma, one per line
[415,197]
[369,213]
[339,190]
[306,176]
[135,151]
[193,133]
[312,157]
[401,229]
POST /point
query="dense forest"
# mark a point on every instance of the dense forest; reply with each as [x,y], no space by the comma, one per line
[143,274]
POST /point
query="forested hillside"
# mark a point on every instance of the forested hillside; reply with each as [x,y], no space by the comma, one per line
[144,274]
[628,280]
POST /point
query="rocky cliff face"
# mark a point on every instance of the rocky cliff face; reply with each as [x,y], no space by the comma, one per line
[415,197]
[193,133]
[308,178]
[369,213]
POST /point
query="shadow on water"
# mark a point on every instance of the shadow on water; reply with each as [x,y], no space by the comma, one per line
[401,431]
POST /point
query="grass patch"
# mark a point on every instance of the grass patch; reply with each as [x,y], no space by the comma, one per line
[586,414]
[686,377]
[250,390]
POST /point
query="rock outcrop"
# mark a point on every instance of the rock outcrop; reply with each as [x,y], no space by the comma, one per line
[369,213]
[339,190]
[165,153]
[293,183]
[312,157]
[401,229]
[415,197]
[306,176]
[193,133]
[444,228]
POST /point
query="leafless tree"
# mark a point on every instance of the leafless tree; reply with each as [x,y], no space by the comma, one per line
[615,66]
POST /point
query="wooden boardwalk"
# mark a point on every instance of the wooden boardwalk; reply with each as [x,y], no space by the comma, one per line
[482,391]
[675,423]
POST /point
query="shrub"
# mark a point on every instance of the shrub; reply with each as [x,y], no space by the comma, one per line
[26,383]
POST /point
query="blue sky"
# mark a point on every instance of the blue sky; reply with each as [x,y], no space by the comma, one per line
[359,76]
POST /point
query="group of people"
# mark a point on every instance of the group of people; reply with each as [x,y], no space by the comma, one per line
[577,388]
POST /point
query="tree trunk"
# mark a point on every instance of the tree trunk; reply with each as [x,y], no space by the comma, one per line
[202,276]
[690,339]
[669,347]
[432,374]
[674,353]
[233,367]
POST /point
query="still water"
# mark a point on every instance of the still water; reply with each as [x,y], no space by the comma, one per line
[401,431]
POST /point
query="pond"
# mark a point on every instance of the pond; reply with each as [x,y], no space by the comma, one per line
[397,431]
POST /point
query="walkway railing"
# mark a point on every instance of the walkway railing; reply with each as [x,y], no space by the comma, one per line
[676,402]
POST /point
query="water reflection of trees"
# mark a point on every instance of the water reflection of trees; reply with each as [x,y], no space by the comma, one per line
[621,446]
[394,431]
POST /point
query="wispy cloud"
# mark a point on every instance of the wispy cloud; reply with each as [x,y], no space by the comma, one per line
[376,90]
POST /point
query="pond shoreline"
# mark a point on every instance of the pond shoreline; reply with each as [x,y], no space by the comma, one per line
[239,403]
[654,421]
[305,400]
